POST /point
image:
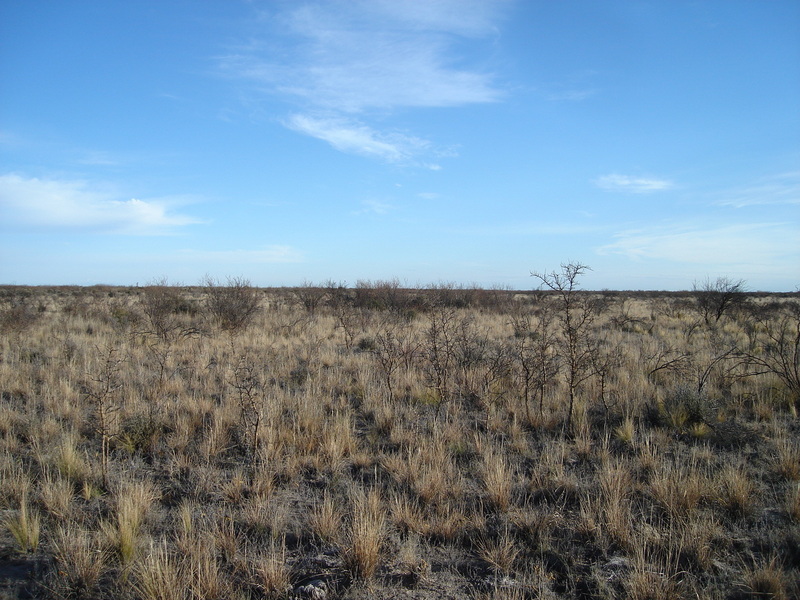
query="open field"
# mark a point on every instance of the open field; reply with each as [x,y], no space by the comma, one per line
[372,442]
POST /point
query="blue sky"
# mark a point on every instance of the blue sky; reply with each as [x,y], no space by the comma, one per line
[460,141]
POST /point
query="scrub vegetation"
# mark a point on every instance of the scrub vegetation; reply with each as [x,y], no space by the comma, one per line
[226,441]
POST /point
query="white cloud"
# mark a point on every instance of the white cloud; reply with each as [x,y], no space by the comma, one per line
[755,245]
[355,57]
[381,55]
[635,185]
[356,138]
[69,204]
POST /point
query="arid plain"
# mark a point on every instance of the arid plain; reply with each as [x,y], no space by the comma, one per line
[226,441]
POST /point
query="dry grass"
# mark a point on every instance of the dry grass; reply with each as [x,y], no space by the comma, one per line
[376,442]
[25,526]
[501,553]
[615,492]
[365,537]
[765,580]
[80,562]
[788,458]
[57,494]
[737,492]
[793,503]
[498,478]
[273,574]
[158,575]
[206,577]
[680,489]
[133,498]
[69,461]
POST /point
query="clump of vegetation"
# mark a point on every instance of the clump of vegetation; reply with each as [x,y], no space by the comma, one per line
[224,441]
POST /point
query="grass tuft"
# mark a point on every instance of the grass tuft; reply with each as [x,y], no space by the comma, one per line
[366,534]
[25,526]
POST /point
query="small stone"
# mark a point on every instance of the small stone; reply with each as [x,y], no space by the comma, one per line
[315,590]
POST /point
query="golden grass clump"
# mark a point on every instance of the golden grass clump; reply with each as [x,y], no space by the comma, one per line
[272,573]
[500,553]
[365,535]
[25,526]
[737,493]
[788,458]
[158,575]
[80,561]
[325,519]
[498,478]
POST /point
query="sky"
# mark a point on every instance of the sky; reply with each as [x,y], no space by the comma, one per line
[424,141]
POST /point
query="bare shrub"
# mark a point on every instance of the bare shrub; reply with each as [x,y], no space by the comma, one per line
[439,351]
[534,353]
[17,318]
[101,391]
[233,305]
[162,304]
[775,347]
[310,296]
[715,298]
[576,313]
[390,351]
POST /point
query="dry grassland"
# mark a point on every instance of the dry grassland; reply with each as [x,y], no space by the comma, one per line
[384,443]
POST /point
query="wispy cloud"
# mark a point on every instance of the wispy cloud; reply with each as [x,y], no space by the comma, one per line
[98,159]
[69,204]
[571,95]
[374,207]
[353,137]
[779,189]
[525,228]
[9,139]
[382,55]
[355,57]
[754,244]
[632,184]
